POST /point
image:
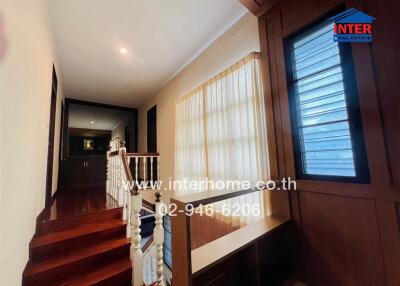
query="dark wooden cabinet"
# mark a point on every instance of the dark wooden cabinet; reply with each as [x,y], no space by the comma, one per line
[83,171]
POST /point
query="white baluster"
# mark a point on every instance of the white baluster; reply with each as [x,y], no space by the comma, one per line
[151,169]
[136,251]
[136,169]
[153,275]
[128,211]
[108,172]
[146,268]
[159,241]
[115,176]
[144,170]
[112,176]
[158,170]
[119,179]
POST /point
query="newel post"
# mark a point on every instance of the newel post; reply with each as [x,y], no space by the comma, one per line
[122,178]
[136,253]
[108,170]
[159,240]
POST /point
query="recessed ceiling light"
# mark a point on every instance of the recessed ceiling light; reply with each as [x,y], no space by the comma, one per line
[123,51]
[91,122]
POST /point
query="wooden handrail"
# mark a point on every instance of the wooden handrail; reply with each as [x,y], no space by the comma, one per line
[114,153]
[148,243]
[142,154]
[128,174]
[149,205]
[209,197]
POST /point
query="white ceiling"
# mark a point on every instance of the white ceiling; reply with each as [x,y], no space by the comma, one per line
[162,37]
[81,116]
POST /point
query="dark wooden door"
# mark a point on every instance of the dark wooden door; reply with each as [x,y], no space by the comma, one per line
[50,146]
[152,130]
[152,137]
[348,232]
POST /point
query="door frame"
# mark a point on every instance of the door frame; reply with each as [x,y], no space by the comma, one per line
[50,147]
[152,115]
[69,101]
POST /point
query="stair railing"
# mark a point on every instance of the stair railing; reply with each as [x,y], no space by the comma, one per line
[149,260]
[127,192]
[145,169]
[159,240]
[154,251]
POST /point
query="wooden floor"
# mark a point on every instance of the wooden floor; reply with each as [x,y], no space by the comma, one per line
[75,202]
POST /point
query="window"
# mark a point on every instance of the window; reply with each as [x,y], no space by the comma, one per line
[326,122]
[221,133]
[220,127]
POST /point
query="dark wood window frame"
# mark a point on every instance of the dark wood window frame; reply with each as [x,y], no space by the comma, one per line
[353,109]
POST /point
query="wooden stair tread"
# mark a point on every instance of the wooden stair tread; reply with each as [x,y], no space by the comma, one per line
[35,267]
[100,274]
[54,237]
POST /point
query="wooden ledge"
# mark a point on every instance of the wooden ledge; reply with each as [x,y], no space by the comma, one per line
[222,248]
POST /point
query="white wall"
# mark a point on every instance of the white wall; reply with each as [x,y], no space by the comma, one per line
[25,90]
[234,44]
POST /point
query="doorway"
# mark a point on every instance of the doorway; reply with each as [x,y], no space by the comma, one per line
[152,137]
[88,129]
[50,148]
[152,130]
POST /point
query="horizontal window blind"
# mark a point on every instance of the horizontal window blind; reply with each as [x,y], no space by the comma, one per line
[322,113]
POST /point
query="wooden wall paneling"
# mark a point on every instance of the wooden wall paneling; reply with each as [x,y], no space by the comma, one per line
[253,6]
[285,147]
[389,224]
[279,200]
[270,22]
[370,109]
[266,76]
[275,256]
[266,24]
[283,98]
[299,14]
[237,270]
[350,231]
[386,61]
[258,7]
[343,240]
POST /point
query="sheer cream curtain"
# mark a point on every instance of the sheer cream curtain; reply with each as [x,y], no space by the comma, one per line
[235,124]
[221,130]
[190,143]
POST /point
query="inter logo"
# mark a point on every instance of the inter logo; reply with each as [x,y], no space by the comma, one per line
[353,25]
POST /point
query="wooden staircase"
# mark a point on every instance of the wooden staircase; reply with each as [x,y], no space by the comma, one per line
[90,249]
